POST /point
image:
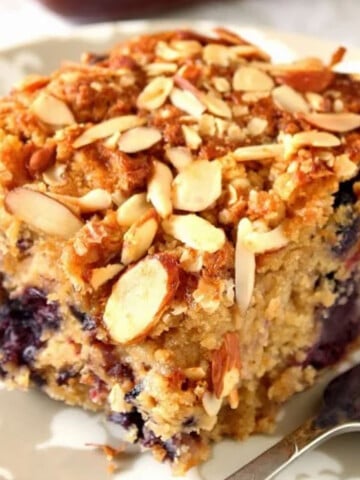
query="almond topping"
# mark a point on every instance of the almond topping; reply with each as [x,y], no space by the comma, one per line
[195,232]
[155,93]
[192,138]
[334,122]
[345,168]
[289,100]
[257,126]
[313,138]
[258,152]
[138,239]
[250,79]
[51,110]
[179,157]
[221,84]
[186,101]
[195,373]
[261,242]
[159,68]
[198,186]
[225,365]
[244,267]
[138,139]
[211,404]
[54,176]
[139,297]
[215,54]
[217,106]
[42,212]
[42,159]
[99,276]
[159,189]
[97,199]
[132,209]
[108,128]
[164,51]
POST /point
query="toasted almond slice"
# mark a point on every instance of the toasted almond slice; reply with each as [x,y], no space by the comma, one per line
[187,47]
[54,176]
[107,129]
[221,84]
[258,152]
[250,79]
[155,93]
[216,54]
[42,212]
[334,122]
[197,186]
[101,275]
[192,138]
[180,157]
[94,200]
[52,110]
[159,68]
[195,232]
[261,242]
[234,399]
[289,100]
[345,168]
[138,139]
[138,239]
[164,51]
[244,267]
[257,126]
[225,365]
[132,209]
[139,297]
[217,106]
[314,138]
[195,373]
[211,404]
[159,189]
[186,101]
[245,51]
[316,101]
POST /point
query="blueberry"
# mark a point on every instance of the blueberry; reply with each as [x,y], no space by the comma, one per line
[63,377]
[131,396]
[88,323]
[128,420]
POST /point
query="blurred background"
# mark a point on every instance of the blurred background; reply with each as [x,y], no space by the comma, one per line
[330,19]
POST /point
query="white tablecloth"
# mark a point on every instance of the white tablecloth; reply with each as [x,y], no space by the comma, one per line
[21,20]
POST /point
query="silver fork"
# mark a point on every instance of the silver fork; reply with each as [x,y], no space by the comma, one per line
[339,413]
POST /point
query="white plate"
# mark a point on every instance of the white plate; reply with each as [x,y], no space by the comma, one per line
[41,439]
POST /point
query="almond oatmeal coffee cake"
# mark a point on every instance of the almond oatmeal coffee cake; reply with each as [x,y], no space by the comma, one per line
[179,235]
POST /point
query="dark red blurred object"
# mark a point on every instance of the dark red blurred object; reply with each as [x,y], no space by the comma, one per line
[98,10]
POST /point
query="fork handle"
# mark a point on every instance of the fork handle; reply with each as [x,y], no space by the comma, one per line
[306,437]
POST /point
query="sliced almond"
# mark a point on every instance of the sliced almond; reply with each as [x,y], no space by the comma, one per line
[139,238]
[195,373]
[179,157]
[187,47]
[101,275]
[257,126]
[164,51]
[198,186]
[211,403]
[186,101]
[54,176]
[160,68]
[216,54]
[243,51]
[192,138]
[334,122]
[207,125]
[289,100]
[52,110]
[139,297]
[217,106]
[316,101]
[195,232]
[107,129]
[132,209]
[221,84]
[250,79]
[97,199]
[225,365]
[42,212]
[258,152]
[245,267]
[345,168]
[261,242]
[155,93]
[159,189]
[138,139]
[314,138]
